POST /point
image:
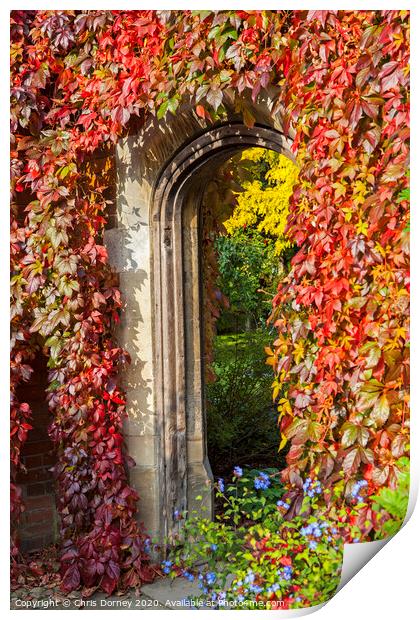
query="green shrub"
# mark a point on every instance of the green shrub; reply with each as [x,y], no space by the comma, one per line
[241,417]
[247,264]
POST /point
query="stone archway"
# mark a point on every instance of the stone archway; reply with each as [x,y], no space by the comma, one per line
[156,250]
[177,312]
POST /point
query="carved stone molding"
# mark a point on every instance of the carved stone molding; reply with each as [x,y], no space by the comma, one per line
[176,295]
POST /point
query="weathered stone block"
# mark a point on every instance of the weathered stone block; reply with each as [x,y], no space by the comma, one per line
[128,248]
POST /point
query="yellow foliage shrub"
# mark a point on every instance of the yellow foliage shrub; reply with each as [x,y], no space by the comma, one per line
[264,201]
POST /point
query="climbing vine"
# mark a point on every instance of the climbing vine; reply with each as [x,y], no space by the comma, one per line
[79,81]
[342,312]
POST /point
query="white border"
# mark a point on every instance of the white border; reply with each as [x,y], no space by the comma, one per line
[387,586]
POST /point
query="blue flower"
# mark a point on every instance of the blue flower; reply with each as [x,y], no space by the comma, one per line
[356,540]
[312,488]
[307,484]
[221,485]
[211,578]
[285,573]
[213,547]
[188,575]
[356,488]
[262,481]
[176,514]
[312,544]
[238,471]
[311,528]
[167,566]
[249,578]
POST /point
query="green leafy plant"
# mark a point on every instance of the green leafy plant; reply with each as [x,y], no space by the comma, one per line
[252,553]
[393,501]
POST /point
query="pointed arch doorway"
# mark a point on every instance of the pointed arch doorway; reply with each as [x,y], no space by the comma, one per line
[177,324]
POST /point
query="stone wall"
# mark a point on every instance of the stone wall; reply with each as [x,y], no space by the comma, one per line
[153,244]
